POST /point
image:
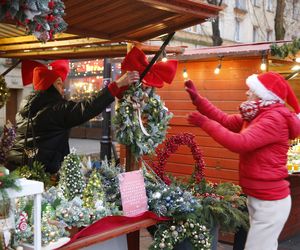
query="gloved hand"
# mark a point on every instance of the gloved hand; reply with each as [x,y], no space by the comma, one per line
[128,78]
[196,118]
[118,87]
[194,95]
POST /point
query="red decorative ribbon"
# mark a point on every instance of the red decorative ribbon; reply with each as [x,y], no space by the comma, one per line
[159,73]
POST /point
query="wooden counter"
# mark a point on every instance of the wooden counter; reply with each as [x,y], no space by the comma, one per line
[130,229]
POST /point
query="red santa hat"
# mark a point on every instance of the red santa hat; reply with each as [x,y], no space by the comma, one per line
[42,76]
[272,86]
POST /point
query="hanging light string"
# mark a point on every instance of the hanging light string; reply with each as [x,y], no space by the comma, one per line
[263,65]
[218,68]
[185,74]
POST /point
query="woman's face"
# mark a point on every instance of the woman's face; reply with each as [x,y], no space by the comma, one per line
[59,85]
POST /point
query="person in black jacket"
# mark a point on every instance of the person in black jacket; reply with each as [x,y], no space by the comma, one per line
[53,116]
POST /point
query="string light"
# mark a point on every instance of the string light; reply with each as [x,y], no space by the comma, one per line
[185,74]
[164,58]
[296,67]
[297,59]
[263,65]
[218,68]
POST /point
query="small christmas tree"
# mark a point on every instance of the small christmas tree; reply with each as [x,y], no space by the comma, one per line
[71,179]
[94,191]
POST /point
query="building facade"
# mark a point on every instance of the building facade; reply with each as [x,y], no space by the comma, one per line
[243,21]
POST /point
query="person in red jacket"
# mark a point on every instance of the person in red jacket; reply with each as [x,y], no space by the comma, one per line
[260,134]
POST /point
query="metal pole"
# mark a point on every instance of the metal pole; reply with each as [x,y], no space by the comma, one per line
[105,142]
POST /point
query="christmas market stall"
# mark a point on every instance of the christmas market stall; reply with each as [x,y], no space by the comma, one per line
[219,74]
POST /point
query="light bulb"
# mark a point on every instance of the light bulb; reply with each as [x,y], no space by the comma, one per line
[297,59]
[296,67]
[263,66]
[185,74]
[217,69]
[164,59]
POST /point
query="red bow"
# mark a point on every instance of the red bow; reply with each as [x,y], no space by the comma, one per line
[159,73]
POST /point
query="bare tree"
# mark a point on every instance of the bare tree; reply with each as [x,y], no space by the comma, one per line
[216,36]
[279,20]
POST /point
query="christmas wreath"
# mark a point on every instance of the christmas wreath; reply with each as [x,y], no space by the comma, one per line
[141,120]
[171,146]
[42,18]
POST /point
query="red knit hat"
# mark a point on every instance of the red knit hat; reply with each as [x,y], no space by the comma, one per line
[42,76]
[272,86]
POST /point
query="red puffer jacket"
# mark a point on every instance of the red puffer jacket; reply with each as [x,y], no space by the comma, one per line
[262,145]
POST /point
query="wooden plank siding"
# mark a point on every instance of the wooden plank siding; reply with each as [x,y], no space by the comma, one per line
[226,90]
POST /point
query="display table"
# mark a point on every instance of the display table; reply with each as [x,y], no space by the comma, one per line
[35,188]
[111,227]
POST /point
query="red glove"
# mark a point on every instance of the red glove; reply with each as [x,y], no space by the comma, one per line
[196,118]
[191,89]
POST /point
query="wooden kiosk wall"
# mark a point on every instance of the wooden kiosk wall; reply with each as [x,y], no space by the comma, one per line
[226,91]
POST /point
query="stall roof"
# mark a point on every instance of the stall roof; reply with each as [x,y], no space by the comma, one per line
[241,51]
[229,51]
[93,25]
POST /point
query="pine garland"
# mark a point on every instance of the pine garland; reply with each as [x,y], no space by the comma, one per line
[223,204]
[42,18]
[171,233]
[287,49]
[4,92]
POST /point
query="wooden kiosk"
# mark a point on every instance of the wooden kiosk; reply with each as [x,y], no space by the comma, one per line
[226,90]
[98,29]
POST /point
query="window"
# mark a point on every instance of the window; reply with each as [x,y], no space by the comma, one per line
[269,35]
[269,5]
[296,10]
[256,3]
[237,29]
[240,4]
[255,34]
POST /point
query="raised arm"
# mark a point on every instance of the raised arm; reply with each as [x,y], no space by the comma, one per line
[232,122]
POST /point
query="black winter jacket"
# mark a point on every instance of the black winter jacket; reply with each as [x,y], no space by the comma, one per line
[53,117]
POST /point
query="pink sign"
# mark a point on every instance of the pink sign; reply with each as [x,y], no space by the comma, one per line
[133,193]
